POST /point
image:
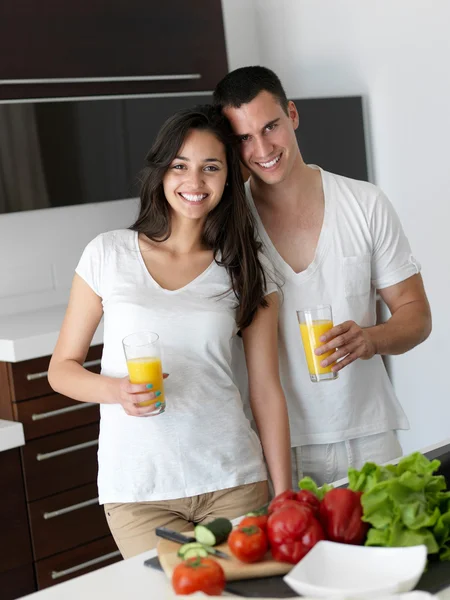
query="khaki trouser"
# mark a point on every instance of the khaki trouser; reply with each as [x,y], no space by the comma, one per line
[133,524]
[326,463]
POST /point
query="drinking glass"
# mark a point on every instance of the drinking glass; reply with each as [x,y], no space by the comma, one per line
[314,322]
[143,356]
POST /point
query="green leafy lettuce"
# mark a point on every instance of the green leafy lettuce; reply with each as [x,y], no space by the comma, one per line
[309,484]
[405,504]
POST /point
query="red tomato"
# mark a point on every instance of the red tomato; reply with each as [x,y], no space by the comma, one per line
[198,575]
[258,520]
[248,544]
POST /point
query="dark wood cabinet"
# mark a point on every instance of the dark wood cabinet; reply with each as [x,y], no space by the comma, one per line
[60,462]
[17,582]
[15,549]
[52,49]
[51,520]
[75,562]
[66,520]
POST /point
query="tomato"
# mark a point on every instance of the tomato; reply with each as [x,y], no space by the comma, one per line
[248,544]
[258,520]
[198,575]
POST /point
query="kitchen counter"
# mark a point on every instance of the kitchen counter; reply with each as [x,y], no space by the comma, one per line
[132,580]
[11,435]
[29,335]
[129,579]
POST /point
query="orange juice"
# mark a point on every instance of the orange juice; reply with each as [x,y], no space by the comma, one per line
[311,333]
[147,370]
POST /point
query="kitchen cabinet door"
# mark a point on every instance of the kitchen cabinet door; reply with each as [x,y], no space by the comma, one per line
[100,47]
[15,546]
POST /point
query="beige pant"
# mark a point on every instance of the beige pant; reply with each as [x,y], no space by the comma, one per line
[326,463]
[133,524]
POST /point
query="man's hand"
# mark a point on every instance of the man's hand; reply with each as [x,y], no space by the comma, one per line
[348,341]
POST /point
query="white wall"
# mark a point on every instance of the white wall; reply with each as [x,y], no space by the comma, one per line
[397,53]
[40,250]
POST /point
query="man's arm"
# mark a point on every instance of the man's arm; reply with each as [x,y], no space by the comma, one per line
[409,325]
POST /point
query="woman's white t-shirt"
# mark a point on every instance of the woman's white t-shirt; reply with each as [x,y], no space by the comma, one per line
[202,442]
[361,248]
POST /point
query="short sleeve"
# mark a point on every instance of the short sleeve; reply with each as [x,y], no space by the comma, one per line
[269,272]
[90,266]
[392,259]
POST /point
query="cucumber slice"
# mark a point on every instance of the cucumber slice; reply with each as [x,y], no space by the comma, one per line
[195,553]
[213,533]
[186,547]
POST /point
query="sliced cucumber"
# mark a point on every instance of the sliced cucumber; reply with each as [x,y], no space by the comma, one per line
[195,553]
[213,533]
[191,546]
[257,513]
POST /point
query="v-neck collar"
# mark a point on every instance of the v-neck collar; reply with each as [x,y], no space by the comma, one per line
[322,243]
[153,280]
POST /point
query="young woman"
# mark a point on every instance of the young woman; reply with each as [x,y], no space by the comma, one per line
[188,269]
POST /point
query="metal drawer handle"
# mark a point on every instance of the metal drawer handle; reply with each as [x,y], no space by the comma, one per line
[43,374]
[89,563]
[101,79]
[68,509]
[62,411]
[66,450]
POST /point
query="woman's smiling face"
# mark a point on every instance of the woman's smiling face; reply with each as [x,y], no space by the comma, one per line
[195,180]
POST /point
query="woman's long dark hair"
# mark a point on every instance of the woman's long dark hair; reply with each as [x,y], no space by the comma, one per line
[229,228]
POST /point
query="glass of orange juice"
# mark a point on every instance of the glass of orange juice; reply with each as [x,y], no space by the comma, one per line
[313,323]
[143,356]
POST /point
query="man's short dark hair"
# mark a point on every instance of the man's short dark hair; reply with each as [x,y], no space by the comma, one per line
[242,85]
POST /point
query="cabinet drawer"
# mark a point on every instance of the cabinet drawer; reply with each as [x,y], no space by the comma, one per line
[54,413]
[60,462]
[66,520]
[30,376]
[17,582]
[78,561]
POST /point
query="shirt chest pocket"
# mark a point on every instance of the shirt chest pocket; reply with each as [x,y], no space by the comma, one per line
[357,275]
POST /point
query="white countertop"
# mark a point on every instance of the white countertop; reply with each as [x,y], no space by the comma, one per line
[11,435]
[24,336]
[132,580]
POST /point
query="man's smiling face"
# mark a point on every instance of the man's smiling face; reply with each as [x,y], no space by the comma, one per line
[268,145]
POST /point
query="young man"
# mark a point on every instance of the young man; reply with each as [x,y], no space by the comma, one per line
[334,241]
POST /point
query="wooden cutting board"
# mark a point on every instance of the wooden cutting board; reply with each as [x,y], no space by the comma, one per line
[233,568]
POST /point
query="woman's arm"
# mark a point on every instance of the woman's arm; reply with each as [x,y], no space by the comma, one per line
[266,394]
[66,374]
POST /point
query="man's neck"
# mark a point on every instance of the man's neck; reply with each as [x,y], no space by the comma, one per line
[298,192]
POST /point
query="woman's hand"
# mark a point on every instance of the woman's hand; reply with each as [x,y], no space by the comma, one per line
[137,400]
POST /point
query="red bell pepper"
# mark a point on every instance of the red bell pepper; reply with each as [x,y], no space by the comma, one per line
[303,497]
[340,515]
[280,500]
[292,531]
[307,497]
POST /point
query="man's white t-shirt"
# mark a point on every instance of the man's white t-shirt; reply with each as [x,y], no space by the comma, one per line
[361,248]
[203,442]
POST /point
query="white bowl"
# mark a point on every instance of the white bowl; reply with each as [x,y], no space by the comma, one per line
[333,570]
